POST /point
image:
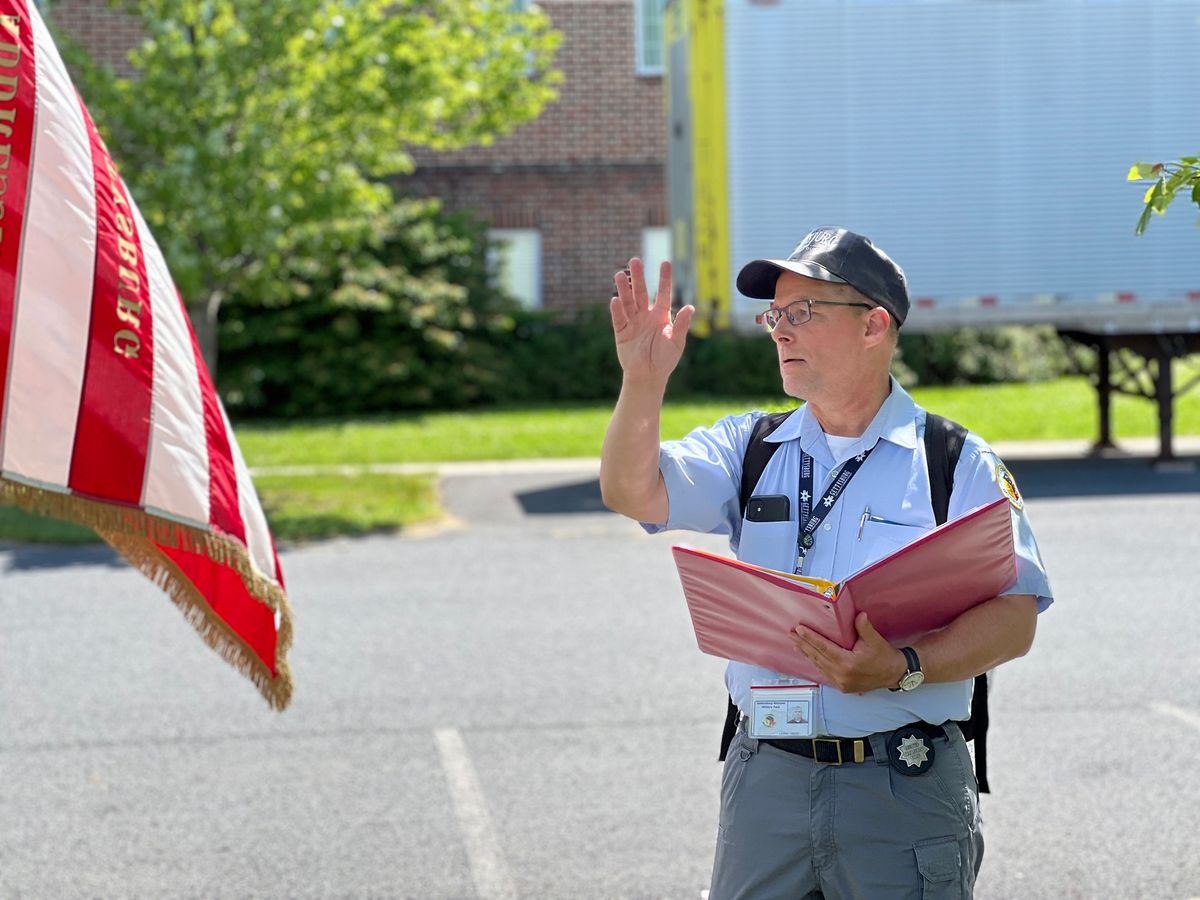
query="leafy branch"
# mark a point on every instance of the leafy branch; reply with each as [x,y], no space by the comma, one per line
[1168,179]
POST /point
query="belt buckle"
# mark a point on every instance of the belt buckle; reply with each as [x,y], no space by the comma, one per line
[837,743]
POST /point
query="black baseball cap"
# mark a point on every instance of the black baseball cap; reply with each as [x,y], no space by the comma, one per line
[833,254]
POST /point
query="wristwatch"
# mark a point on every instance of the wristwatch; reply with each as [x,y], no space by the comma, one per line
[914,677]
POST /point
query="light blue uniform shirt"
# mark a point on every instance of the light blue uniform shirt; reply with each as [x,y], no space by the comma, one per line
[703,478]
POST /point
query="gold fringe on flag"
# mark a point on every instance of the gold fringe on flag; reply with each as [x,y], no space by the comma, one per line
[134,533]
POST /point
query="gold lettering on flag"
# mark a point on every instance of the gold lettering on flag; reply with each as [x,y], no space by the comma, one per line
[10,57]
[128,341]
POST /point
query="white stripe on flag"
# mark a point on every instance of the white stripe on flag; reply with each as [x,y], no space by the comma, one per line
[258,534]
[177,461]
[54,296]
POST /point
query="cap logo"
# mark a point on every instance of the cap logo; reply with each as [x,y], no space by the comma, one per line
[816,240]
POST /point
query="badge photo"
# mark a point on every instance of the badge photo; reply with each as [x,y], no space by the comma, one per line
[782,710]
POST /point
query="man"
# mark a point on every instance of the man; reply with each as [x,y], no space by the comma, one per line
[894,811]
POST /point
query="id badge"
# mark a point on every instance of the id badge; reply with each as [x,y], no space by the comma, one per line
[783,709]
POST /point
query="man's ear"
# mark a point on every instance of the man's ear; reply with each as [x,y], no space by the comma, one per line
[879,320]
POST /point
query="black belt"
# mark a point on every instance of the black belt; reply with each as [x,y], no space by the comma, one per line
[836,751]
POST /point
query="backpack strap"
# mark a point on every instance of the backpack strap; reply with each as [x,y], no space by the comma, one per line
[758,453]
[944,441]
[943,445]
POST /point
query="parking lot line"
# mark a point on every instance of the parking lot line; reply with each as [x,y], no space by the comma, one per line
[1178,712]
[488,868]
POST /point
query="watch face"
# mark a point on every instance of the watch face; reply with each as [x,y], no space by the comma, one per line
[912,680]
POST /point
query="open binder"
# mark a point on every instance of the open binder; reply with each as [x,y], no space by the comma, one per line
[745,612]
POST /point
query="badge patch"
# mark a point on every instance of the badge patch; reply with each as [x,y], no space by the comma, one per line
[1008,486]
[910,751]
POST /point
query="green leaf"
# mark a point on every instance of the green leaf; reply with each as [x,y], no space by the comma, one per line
[1141,171]
[1143,220]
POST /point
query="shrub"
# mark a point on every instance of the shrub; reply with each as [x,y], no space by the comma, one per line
[407,322]
[984,356]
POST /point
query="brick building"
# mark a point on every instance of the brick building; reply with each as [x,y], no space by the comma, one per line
[571,195]
[107,34]
[578,191]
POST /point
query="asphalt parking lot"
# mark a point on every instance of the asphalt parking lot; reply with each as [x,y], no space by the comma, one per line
[514,706]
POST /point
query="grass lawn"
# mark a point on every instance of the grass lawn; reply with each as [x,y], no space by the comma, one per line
[18,525]
[313,507]
[299,508]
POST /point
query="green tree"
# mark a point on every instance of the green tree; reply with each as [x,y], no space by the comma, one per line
[253,131]
[1169,179]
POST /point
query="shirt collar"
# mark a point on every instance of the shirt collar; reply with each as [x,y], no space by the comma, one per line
[896,421]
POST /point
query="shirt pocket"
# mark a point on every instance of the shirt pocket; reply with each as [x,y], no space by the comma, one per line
[878,539]
[769,544]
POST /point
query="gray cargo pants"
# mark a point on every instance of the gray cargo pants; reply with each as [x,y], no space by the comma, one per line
[794,828]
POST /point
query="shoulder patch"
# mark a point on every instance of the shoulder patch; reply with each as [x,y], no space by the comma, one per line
[1008,486]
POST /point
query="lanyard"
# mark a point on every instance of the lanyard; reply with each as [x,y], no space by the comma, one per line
[812,515]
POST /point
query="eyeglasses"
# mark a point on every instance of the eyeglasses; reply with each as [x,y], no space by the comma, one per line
[798,312]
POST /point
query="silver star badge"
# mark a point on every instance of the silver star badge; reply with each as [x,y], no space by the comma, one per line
[913,751]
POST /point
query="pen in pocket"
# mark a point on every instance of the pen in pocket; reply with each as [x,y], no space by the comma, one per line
[867,516]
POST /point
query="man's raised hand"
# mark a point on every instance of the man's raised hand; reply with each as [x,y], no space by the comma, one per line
[649,344]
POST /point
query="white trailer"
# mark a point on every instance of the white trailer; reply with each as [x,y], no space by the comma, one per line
[983,144]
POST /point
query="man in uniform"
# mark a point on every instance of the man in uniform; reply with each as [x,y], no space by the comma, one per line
[883,803]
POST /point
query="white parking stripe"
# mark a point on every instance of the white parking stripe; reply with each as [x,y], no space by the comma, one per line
[488,868]
[1178,712]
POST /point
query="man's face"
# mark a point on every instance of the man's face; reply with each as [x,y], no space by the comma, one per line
[823,353]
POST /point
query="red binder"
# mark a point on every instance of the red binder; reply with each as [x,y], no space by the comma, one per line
[745,612]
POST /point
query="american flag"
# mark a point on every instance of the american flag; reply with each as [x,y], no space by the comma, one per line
[108,416]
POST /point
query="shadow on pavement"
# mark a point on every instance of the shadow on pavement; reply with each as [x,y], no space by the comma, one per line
[582,497]
[1037,478]
[32,557]
[1104,477]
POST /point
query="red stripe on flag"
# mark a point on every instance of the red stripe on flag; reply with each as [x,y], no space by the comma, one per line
[18,92]
[225,592]
[108,460]
[223,511]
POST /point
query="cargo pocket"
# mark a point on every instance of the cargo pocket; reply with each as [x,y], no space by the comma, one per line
[940,865]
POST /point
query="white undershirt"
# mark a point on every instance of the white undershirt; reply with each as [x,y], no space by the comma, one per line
[840,446]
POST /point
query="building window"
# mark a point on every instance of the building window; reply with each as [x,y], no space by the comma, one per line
[516,260]
[648,23]
[656,249]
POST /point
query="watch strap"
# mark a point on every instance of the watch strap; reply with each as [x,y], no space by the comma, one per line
[912,661]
